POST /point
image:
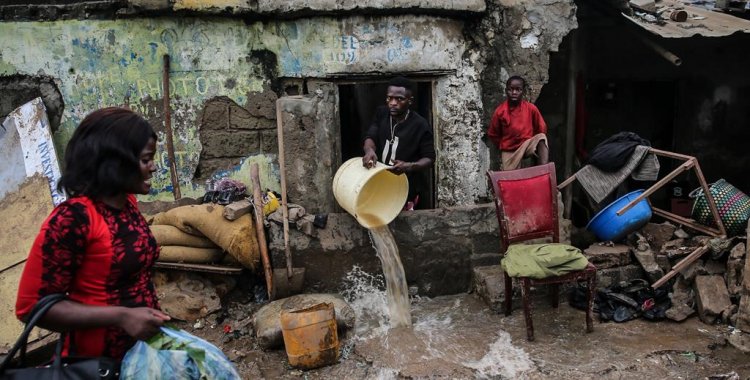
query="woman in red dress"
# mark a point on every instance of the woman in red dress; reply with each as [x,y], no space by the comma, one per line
[96,247]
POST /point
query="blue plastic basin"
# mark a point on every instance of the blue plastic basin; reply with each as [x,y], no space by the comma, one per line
[607,225]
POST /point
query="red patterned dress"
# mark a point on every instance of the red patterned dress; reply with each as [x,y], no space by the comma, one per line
[99,255]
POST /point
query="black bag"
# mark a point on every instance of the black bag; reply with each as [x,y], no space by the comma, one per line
[60,368]
[613,153]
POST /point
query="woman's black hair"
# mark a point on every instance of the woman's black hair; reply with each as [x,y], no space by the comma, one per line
[102,157]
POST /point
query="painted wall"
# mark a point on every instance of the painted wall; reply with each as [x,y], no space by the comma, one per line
[106,63]
[119,62]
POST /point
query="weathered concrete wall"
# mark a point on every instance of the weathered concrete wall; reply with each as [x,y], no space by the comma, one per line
[68,9]
[521,35]
[438,248]
[516,38]
[226,75]
[230,132]
[104,63]
[311,147]
[21,89]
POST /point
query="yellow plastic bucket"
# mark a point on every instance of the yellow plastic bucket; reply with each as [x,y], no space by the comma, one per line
[310,336]
[373,196]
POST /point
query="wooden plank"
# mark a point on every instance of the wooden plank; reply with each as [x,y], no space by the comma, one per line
[689,259]
[566,182]
[168,131]
[199,268]
[687,222]
[685,166]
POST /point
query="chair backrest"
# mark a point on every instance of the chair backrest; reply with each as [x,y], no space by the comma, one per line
[526,203]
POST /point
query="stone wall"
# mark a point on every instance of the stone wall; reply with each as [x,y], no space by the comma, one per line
[438,248]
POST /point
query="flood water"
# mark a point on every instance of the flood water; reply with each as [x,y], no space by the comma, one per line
[447,338]
[453,337]
[459,337]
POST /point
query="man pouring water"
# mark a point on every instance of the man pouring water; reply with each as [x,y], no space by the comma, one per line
[402,138]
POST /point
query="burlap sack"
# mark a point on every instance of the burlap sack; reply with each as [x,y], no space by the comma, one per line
[171,235]
[236,237]
[192,255]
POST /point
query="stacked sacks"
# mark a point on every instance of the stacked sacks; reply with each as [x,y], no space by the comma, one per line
[180,247]
[201,234]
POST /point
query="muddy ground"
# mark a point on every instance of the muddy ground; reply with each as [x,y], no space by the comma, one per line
[459,337]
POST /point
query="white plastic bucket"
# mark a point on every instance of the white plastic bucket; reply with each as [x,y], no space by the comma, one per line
[373,196]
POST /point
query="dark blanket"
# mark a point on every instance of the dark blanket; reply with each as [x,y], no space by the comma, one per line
[614,152]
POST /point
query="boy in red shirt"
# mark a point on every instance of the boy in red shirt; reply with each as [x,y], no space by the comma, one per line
[517,128]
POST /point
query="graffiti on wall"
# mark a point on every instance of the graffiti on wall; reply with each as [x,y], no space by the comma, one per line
[309,48]
[120,62]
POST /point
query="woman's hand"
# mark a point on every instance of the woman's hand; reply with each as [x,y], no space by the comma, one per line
[142,322]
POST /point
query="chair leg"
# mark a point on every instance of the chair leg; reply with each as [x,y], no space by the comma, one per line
[591,284]
[508,301]
[526,296]
[555,295]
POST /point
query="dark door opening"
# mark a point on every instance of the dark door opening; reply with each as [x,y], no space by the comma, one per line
[357,105]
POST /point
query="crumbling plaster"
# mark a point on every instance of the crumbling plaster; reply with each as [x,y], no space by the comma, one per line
[100,63]
[255,9]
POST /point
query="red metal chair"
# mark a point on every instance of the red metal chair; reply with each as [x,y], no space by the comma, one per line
[526,207]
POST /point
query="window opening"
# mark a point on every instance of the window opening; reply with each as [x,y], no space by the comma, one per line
[357,104]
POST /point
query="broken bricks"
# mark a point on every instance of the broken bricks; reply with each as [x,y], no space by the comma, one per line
[735,264]
[683,304]
[604,255]
[712,298]
[658,234]
[646,258]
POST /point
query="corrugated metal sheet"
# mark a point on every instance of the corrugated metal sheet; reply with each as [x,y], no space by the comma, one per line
[700,22]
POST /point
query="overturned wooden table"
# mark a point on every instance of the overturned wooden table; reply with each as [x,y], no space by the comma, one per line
[690,162]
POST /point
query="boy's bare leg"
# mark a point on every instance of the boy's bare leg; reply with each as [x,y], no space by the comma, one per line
[542,153]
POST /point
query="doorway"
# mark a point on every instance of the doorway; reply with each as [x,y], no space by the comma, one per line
[357,104]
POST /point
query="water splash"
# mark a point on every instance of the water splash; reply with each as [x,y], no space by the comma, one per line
[454,331]
[363,291]
[503,359]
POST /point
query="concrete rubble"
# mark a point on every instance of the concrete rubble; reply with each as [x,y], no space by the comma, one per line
[712,287]
[604,255]
[712,298]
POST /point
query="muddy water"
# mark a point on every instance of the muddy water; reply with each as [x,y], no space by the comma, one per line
[458,337]
[395,279]
[451,337]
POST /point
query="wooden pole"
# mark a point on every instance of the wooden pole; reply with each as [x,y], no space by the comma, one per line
[282,170]
[168,131]
[260,232]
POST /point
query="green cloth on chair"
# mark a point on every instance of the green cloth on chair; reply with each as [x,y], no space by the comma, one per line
[542,260]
